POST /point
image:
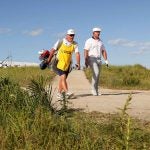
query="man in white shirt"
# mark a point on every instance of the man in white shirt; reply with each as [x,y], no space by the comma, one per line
[93,50]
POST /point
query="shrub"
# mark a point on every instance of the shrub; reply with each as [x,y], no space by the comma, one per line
[130,81]
[123,77]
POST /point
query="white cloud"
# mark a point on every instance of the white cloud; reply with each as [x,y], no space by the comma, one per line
[122,42]
[138,52]
[4,30]
[34,32]
[142,50]
[142,47]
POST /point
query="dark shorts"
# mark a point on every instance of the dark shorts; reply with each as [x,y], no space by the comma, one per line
[61,72]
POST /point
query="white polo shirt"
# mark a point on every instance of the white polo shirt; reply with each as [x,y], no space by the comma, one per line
[66,43]
[94,47]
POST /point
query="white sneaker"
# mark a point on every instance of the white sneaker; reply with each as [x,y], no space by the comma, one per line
[59,96]
[99,94]
[68,95]
[94,93]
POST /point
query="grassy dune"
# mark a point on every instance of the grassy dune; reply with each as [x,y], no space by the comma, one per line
[23,75]
[29,120]
[123,77]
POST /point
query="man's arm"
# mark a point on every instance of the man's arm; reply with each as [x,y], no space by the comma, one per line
[104,53]
[86,57]
[52,51]
[78,60]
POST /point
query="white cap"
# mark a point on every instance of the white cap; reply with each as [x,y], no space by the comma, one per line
[70,31]
[96,29]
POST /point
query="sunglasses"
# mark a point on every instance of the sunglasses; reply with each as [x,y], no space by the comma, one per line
[71,35]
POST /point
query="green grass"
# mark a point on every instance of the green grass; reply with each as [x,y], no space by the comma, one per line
[123,77]
[29,120]
[23,75]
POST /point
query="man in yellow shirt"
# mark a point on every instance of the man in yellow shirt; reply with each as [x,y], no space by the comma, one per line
[65,48]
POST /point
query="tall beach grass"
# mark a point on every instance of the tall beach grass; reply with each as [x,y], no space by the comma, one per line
[28,120]
[23,75]
[123,77]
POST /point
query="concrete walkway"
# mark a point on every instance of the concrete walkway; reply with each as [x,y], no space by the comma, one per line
[109,101]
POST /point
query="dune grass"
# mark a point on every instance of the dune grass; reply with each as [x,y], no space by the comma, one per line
[123,77]
[29,120]
[23,75]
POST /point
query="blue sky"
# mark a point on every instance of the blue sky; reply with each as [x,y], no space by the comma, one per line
[27,26]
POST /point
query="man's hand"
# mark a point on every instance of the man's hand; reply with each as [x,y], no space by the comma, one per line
[78,66]
[86,63]
[106,62]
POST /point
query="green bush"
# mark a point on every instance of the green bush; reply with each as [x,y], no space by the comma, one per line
[23,75]
[131,81]
[123,77]
[29,120]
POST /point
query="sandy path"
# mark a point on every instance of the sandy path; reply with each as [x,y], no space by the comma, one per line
[110,100]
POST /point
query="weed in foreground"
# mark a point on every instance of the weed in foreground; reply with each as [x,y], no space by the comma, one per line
[26,122]
[41,91]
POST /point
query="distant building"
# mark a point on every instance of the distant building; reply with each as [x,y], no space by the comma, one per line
[17,64]
[22,64]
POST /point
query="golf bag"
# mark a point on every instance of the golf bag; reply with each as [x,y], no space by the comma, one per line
[44,54]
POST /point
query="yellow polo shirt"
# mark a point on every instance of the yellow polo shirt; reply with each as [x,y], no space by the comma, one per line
[65,55]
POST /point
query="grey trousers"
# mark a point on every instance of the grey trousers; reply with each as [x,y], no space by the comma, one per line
[95,65]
